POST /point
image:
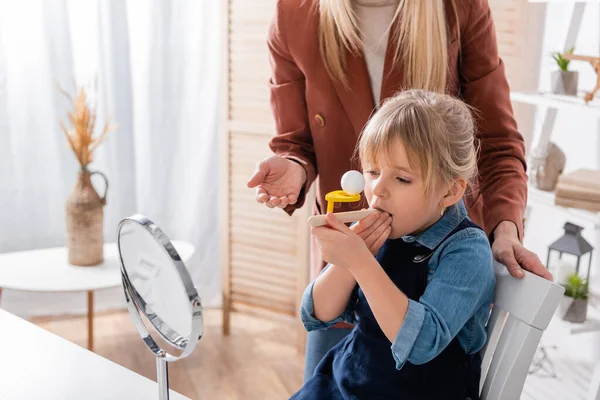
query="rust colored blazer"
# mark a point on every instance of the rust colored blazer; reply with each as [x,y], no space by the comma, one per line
[318,120]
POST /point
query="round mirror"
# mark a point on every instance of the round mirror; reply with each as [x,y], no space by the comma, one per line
[159,291]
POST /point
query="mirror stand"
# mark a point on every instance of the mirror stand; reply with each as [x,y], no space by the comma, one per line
[162,375]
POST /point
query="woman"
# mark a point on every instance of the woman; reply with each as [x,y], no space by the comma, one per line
[331,67]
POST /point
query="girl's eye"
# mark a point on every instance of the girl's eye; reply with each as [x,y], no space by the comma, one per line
[404,181]
[371,172]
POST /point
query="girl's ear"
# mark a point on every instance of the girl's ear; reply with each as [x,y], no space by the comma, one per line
[455,192]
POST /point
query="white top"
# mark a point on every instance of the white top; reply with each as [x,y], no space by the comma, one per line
[374,19]
[47,270]
[40,365]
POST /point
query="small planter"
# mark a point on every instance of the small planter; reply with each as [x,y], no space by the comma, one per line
[565,82]
[573,310]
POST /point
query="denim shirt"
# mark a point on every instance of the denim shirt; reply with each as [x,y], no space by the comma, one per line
[457,299]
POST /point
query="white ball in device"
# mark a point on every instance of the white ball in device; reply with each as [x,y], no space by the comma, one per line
[353,182]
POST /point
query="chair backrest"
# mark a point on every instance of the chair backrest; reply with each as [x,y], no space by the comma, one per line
[522,311]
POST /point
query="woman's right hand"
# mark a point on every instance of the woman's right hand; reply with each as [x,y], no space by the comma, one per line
[374,229]
[278,181]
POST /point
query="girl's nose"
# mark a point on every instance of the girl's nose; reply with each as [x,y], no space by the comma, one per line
[379,188]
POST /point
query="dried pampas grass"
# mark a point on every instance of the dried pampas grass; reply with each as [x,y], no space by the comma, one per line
[81,137]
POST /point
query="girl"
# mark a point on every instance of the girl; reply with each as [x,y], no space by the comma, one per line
[417,279]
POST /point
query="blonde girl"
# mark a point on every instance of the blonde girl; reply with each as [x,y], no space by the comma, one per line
[417,278]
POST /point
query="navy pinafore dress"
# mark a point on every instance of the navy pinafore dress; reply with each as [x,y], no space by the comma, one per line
[362,367]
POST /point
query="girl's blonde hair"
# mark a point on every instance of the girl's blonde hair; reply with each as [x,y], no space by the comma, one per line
[421,40]
[437,131]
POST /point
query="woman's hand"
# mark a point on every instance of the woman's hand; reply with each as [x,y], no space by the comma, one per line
[508,250]
[374,230]
[340,245]
[278,181]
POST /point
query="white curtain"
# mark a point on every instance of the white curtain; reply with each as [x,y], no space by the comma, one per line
[153,67]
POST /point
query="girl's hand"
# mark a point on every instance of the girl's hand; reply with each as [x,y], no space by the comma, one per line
[339,244]
[374,230]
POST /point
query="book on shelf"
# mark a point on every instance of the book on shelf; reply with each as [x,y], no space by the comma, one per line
[593,206]
[571,191]
[584,178]
[579,189]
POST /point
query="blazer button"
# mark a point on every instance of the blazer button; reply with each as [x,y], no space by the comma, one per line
[320,120]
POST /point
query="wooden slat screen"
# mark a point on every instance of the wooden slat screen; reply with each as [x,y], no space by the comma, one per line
[264,251]
[508,18]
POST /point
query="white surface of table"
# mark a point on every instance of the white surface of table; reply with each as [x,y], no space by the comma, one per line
[48,270]
[37,364]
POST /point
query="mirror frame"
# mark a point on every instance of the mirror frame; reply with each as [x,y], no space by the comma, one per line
[136,304]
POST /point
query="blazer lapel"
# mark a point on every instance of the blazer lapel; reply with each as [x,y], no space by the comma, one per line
[357,98]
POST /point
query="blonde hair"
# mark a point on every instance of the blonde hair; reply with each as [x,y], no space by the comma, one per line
[437,131]
[421,40]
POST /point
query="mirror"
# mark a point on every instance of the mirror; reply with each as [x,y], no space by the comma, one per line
[159,290]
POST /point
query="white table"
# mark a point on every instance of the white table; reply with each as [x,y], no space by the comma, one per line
[37,364]
[47,270]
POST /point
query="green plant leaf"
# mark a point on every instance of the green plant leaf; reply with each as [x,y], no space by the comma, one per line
[576,287]
[562,62]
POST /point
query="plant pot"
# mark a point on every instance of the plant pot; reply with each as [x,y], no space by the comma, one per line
[546,165]
[565,82]
[573,310]
[85,214]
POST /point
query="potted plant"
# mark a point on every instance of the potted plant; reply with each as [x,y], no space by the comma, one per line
[573,307]
[563,80]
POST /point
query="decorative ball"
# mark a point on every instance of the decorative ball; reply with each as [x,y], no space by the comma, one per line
[353,182]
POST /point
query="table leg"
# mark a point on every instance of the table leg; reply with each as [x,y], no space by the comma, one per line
[90,317]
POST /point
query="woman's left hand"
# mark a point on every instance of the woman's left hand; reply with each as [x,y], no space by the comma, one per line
[339,244]
[508,250]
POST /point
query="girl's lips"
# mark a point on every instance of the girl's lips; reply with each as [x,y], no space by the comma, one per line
[381,209]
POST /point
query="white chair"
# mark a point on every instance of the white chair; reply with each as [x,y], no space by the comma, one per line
[522,311]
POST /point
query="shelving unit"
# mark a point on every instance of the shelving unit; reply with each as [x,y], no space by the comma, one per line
[542,135]
[560,102]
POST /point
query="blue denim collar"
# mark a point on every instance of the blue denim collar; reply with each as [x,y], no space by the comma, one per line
[436,233]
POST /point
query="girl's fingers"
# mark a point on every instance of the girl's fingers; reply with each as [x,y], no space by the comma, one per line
[325,233]
[375,221]
[380,240]
[382,223]
[365,224]
[336,224]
